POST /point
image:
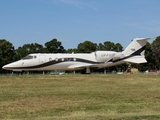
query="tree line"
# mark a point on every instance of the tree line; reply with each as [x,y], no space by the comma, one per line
[8,53]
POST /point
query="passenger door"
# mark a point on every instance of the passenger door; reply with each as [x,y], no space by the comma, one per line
[42,59]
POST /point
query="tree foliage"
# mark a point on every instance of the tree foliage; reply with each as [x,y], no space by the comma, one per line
[150,57]
[118,47]
[54,46]
[156,48]
[72,50]
[110,46]
[7,52]
[87,47]
[27,49]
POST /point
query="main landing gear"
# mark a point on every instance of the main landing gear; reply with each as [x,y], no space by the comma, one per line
[87,70]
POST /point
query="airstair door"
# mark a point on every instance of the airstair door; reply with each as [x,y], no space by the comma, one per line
[42,59]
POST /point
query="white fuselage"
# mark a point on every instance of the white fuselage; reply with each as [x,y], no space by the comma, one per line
[58,61]
[134,53]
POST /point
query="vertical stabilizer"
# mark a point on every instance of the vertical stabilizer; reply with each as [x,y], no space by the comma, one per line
[136,47]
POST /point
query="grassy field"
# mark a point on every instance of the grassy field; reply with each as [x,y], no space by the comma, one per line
[80,97]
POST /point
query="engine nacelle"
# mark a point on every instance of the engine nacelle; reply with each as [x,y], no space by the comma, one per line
[104,56]
[118,56]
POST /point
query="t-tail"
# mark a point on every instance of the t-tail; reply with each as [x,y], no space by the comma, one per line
[134,53]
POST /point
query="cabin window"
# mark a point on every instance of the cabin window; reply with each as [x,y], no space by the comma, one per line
[56,59]
[50,59]
[28,57]
[68,59]
[35,56]
[62,59]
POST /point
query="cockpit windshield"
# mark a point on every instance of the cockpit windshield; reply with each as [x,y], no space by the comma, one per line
[29,57]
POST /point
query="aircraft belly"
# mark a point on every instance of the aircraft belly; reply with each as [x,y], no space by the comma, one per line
[109,64]
[60,66]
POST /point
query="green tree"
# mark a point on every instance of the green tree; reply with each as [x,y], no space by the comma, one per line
[110,46]
[150,56]
[100,46]
[118,47]
[54,46]
[87,47]
[28,49]
[74,50]
[6,52]
[156,49]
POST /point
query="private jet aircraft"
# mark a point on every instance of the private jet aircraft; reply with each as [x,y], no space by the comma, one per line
[134,53]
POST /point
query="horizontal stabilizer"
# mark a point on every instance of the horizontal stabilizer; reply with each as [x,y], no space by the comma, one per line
[140,39]
[136,59]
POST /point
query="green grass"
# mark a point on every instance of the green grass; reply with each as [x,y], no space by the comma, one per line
[80,97]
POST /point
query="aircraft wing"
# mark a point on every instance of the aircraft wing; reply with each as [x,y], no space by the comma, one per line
[136,59]
[81,65]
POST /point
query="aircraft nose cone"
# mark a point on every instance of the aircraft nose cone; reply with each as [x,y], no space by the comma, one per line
[11,66]
[4,67]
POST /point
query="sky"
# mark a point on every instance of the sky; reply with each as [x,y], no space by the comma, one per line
[75,21]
